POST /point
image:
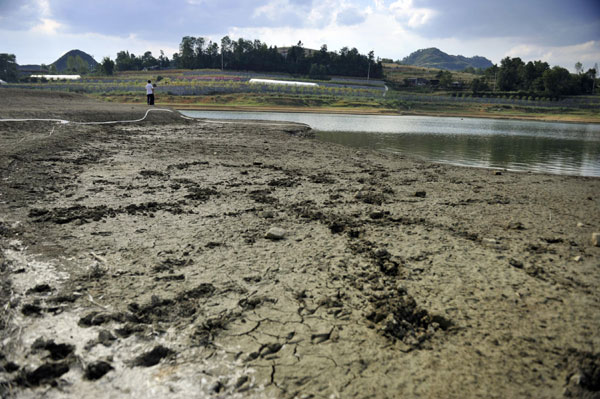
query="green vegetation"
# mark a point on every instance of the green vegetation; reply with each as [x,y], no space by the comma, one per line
[8,67]
[75,61]
[435,58]
[247,55]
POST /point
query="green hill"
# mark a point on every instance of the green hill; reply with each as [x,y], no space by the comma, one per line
[435,58]
[61,63]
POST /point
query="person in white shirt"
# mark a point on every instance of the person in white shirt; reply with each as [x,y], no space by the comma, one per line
[150,93]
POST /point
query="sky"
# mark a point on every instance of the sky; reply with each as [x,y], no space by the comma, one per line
[558,32]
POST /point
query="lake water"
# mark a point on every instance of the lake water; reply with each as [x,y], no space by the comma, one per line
[558,148]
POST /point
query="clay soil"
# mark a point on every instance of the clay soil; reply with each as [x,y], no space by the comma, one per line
[214,259]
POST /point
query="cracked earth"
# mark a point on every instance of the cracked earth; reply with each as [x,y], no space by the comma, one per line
[177,258]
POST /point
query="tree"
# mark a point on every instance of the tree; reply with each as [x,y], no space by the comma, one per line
[52,70]
[578,67]
[186,52]
[163,61]
[445,78]
[8,67]
[107,67]
[77,65]
[478,85]
[556,81]
[370,57]
[148,60]
[510,74]
[225,49]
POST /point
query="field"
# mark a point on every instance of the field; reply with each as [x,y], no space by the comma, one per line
[215,89]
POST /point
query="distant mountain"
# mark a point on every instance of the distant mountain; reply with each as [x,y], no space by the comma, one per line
[61,63]
[435,58]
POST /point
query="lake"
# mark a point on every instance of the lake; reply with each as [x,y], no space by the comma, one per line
[558,148]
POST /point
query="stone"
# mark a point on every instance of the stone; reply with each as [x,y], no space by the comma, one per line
[382,253]
[596,239]
[275,233]
[579,224]
[267,214]
[421,194]
[516,263]
[578,258]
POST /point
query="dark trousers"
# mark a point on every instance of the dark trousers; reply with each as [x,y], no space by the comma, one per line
[150,99]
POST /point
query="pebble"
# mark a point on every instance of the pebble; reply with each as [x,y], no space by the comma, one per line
[578,258]
[579,224]
[275,233]
[421,194]
[267,214]
[596,239]
[516,263]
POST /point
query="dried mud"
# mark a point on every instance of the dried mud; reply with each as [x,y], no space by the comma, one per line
[135,262]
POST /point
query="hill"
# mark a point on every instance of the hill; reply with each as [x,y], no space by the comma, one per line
[61,63]
[435,58]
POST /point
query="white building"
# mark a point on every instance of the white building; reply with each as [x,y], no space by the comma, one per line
[281,82]
[57,77]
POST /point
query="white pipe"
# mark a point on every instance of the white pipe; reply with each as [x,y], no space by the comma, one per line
[63,121]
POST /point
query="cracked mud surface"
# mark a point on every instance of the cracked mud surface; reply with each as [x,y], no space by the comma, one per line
[135,263]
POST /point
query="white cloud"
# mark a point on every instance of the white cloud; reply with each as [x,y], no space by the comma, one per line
[406,12]
[47,26]
[43,7]
[587,53]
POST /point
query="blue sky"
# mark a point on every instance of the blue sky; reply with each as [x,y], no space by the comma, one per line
[559,32]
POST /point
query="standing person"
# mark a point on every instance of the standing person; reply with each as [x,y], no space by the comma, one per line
[150,93]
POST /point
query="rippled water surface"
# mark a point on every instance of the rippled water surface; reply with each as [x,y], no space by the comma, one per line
[559,148]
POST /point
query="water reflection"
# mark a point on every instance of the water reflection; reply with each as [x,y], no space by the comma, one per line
[560,148]
[542,154]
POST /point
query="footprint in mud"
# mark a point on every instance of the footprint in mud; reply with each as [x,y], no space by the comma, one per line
[152,357]
[56,351]
[400,318]
[95,371]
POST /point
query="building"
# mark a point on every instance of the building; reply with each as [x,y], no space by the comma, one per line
[416,82]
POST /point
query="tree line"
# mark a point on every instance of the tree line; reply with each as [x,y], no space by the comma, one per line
[514,75]
[253,55]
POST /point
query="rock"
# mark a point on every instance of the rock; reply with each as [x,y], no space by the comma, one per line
[267,214]
[498,173]
[106,338]
[579,224]
[382,253]
[275,233]
[578,258]
[516,226]
[516,263]
[376,215]
[596,239]
[421,194]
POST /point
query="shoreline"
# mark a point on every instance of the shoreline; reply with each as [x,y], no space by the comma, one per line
[383,112]
[206,258]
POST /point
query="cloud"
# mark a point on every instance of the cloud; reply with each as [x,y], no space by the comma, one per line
[46,26]
[350,16]
[553,30]
[406,12]
[587,53]
[544,22]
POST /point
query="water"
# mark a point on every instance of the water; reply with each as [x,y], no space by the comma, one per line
[558,148]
